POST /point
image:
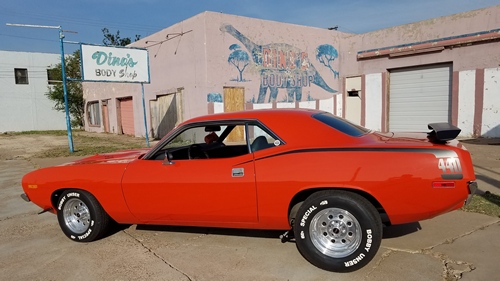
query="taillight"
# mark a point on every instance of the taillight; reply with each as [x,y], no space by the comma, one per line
[443,184]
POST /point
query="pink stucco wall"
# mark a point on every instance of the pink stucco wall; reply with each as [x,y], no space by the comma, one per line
[193,54]
[465,57]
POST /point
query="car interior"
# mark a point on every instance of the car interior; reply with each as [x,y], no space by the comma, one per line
[217,142]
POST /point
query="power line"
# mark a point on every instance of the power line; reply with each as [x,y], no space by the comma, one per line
[30,38]
[81,21]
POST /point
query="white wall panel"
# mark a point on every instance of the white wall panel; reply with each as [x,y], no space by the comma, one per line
[373,101]
[218,107]
[307,104]
[326,105]
[491,103]
[285,105]
[466,102]
[339,104]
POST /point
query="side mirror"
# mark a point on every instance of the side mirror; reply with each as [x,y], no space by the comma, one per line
[168,159]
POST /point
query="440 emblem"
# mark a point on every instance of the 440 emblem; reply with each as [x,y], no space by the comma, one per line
[450,165]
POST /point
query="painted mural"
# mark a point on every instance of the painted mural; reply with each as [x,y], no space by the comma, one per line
[281,66]
[214,97]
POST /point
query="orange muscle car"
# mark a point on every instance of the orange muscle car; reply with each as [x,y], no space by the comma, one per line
[330,183]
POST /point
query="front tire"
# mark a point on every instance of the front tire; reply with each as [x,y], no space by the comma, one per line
[338,230]
[81,217]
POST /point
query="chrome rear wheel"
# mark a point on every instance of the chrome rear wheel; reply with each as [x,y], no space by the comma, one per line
[335,232]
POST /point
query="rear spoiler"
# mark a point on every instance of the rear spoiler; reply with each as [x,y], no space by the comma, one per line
[442,132]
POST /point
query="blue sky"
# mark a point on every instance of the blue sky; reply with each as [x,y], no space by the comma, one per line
[145,17]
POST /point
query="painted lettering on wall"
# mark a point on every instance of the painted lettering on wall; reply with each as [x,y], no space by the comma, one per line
[281,66]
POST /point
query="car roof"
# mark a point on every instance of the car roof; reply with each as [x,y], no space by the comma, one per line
[254,114]
[294,126]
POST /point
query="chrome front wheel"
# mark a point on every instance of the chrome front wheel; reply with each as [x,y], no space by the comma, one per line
[76,216]
[80,216]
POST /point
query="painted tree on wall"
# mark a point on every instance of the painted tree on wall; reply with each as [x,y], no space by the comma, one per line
[239,59]
[326,54]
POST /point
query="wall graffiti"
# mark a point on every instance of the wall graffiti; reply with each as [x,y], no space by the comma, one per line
[214,97]
[281,66]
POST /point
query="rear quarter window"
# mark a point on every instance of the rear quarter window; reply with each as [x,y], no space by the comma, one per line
[340,124]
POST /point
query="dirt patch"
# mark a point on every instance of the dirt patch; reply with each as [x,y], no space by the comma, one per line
[26,146]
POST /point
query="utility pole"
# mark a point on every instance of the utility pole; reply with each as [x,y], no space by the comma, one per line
[61,37]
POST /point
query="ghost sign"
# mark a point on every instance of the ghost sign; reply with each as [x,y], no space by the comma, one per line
[114,64]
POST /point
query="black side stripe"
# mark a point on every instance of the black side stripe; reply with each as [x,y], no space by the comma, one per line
[452,176]
[438,153]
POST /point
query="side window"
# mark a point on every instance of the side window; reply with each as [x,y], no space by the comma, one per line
[217,141]
[260,139]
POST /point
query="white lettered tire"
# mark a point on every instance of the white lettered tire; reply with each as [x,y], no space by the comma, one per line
[80,216]
[337,230]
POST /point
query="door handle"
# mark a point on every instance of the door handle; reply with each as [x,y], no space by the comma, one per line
[238,172]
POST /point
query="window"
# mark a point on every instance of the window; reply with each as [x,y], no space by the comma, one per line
[217,140]
[21,75]
[340,124]
[53,77]
[93,114]
[260,139]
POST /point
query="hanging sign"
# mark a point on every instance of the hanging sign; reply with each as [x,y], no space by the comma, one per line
[114,64]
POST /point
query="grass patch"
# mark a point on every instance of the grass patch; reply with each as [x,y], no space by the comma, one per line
[487,203]
[46,133]
[83,150]
[85,145]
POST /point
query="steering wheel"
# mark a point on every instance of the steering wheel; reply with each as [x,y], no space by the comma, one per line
[195,152]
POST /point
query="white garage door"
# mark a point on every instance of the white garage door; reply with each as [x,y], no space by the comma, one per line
[419,96]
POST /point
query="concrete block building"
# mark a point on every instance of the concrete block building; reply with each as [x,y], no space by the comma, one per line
[24,80]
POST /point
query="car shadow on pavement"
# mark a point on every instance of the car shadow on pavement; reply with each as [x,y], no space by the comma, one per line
[399,230]
[115,228]
[482,141]
[214,231]
[392,231]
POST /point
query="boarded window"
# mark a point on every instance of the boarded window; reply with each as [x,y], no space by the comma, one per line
[53,77]
[93,115]
[21,75]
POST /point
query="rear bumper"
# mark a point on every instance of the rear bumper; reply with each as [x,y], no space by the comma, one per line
[472,190]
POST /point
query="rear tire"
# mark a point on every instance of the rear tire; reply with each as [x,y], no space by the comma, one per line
[338,230]
[81,217]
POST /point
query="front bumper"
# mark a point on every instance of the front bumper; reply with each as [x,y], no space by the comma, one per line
[25,197]
[472,190]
